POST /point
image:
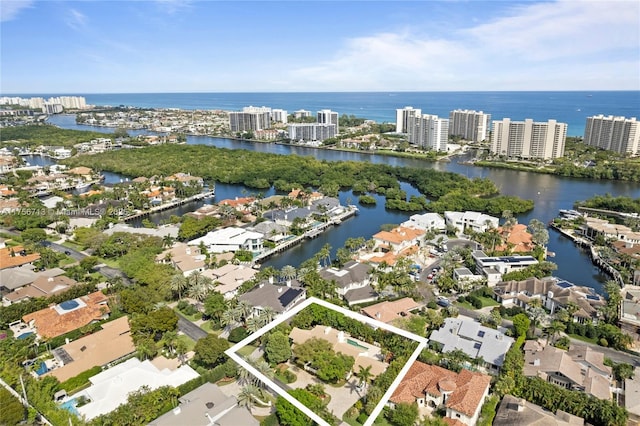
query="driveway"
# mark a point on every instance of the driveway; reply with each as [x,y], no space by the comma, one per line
[190,329]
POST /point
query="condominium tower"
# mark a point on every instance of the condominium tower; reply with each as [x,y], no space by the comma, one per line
[428,132]
[311,131]
[528,139]
[469,125]
[326,116]
[403,116]
[249,121]
[618,134]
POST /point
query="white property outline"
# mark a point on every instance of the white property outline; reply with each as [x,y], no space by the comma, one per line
[231,353]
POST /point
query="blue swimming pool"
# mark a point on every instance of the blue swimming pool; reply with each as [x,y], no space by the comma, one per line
[42,369]
[69,305]
[25,335]
[70,406]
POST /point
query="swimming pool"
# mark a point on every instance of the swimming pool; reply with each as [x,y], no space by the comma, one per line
[356,344]
[69,305]
[25,335]
[70,406]
[42,369]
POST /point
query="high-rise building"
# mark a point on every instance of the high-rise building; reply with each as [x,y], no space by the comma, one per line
[469,125]
[279,115]
[403,118]
[528,139]
[326,116]
[428,132]
[252,109]
[312,131]
[301,113]
[249,121]
[618,134]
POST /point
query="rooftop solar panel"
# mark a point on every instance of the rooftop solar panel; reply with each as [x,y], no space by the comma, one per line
[288,296]
[63,355]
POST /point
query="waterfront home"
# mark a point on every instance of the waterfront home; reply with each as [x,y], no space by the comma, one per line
[351,276]
[205,406]
[364,354]
[271,230]
[426,221]
[388,312]
[579,369]
[518,411]
[242,205]
[518,239]
[186,179]
[280,298]
[474,339]
[111,388]
[398,239]
[478,222]
[429,386]
[184,258]
[594,227]
[230,239]
[69,315]
[553,294]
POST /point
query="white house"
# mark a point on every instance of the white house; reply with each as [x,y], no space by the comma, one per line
[230,239]
[478,222]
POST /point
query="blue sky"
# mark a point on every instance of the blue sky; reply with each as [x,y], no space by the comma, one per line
[270,46]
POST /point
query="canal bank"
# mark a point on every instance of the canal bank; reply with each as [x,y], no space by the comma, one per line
[550,194]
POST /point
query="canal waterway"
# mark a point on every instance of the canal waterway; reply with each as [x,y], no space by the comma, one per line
[550,193]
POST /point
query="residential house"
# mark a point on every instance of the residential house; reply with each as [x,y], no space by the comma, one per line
[43,286]
[426,221]
[70,315]
[243,204]
[230,239]
[493,267]
[11,257]
[271,230]
[464,275]
[474,339]
[630,313]
[111,388]
[364,354]
[101,348]
[387,311]
[161,231]
[594,227]
[186,179]
[517,239]
[632,398]
[460,394]
[352,282]
[579,369]
[229,278]
[518,411]
[280,298]
[553,294]
[186,259]
[398,239]
[14,278]
[205,406]
[478,222]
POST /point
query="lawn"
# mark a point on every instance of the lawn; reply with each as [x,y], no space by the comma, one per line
[73,245]
[247,350]
[486,301]
[583,338]
[188,340]
[206,326]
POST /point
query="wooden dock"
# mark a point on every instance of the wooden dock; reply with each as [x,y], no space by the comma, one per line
[171,205]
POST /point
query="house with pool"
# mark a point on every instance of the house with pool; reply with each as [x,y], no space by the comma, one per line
[365,354]
[69,315]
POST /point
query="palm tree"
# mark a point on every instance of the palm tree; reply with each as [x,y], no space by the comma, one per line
[178,284]
[324,255]
[553,329]
[169,340]
[201,290]
[167,241]
[247,396]
[288,272]
[245,309]
[364,373]
[268,313]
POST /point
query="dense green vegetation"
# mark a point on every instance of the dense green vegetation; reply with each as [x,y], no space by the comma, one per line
[260,170]
[34,135]
[13,411]
[619,204]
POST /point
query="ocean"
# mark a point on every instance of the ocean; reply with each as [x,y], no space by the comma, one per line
[572,107]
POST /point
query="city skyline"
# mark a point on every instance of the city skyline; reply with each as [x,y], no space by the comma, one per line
[311,46]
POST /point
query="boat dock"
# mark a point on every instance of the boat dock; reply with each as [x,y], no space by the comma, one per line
[170,205]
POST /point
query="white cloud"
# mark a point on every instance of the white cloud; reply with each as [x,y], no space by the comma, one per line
[76,20]
[9,9]
[564,45]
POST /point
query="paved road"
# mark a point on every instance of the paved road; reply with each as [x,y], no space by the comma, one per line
[190,329]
